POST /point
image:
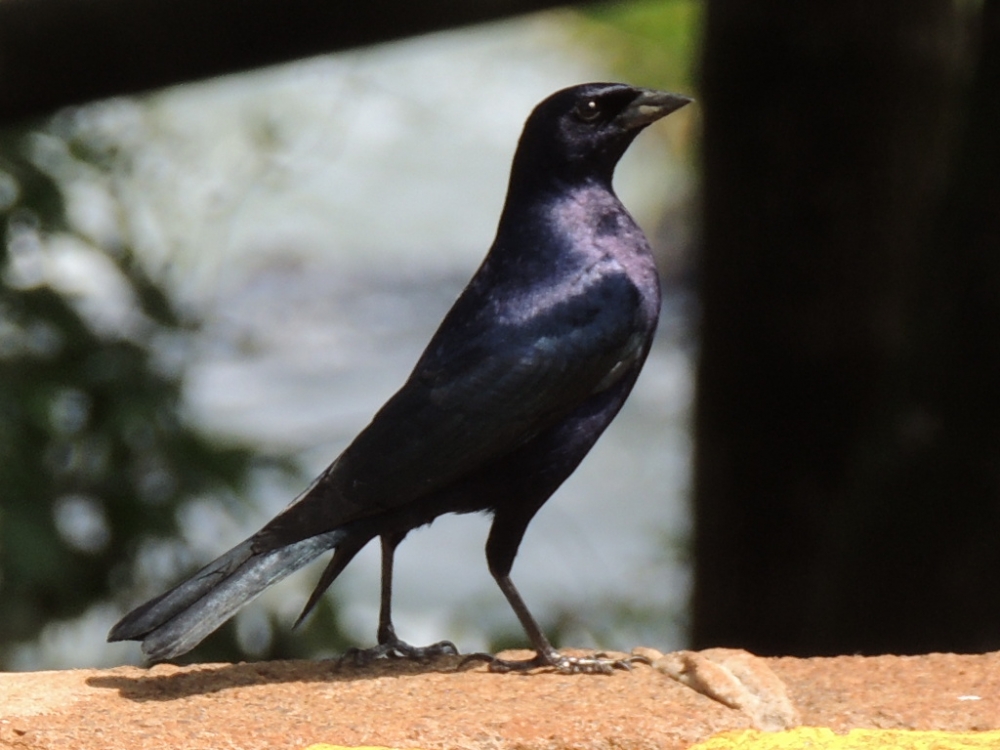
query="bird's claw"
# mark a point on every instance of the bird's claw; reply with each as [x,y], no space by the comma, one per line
[599,663]
[396,649]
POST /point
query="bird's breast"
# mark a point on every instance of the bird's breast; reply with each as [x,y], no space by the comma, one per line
[598,234]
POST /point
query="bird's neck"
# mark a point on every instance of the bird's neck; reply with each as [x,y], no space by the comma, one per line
[537,171]
[557,219]
[531,197]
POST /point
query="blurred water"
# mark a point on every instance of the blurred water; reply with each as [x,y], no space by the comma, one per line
[321,217]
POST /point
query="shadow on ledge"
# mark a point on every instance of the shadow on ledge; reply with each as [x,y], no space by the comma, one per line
[165,682]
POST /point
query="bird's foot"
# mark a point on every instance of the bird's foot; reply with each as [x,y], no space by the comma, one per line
[397,649]
[599,663]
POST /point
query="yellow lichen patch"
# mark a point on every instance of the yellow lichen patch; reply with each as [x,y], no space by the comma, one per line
[820,738]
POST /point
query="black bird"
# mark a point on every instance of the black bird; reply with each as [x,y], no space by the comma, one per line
[529,366]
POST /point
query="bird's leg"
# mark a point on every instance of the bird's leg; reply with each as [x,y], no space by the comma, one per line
[386,631]
[387,638]
[501,548]
[545,654]
[389,644]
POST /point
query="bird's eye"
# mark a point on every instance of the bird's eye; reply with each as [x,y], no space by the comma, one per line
[588,110]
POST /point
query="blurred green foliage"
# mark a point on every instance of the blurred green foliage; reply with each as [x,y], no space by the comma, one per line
[650,43]
[96,461]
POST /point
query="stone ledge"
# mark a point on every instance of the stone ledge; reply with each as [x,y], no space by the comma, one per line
[686,698]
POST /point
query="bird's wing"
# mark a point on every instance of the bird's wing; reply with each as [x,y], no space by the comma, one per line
[480,390]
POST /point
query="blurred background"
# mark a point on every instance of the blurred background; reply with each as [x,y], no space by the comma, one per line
[227,231]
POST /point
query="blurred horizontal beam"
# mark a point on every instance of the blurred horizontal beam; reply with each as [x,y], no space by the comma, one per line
[55,53]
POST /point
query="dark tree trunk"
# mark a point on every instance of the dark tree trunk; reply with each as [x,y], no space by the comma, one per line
[826,137]
[923,569]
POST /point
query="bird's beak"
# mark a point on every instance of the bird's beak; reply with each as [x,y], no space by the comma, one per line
[649,107]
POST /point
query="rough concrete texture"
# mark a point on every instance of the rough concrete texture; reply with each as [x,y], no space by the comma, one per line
[682,699]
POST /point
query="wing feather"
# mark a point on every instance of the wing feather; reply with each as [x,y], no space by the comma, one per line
[471,399]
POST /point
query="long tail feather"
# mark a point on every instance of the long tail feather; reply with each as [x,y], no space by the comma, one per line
[344,554]
[180,619]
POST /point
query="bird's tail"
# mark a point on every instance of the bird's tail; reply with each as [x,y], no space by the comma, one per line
[177,621]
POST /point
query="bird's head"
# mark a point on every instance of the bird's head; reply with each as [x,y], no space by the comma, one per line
[579,133]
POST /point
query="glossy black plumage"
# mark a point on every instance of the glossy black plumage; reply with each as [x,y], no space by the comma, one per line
[531,364]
